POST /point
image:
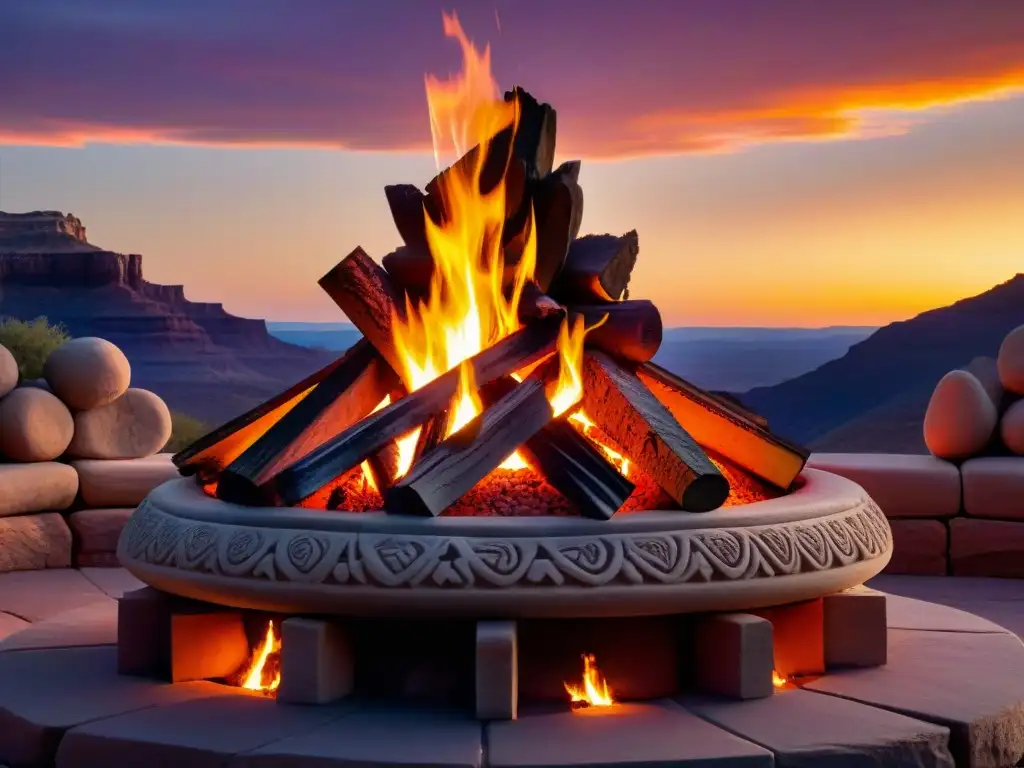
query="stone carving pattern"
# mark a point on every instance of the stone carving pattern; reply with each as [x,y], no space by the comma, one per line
[404,561]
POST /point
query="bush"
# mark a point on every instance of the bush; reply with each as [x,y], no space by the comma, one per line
[185,430]
[31,342]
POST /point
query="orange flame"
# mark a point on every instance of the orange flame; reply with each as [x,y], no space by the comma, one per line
[468,308]
[778,680]
[594,691]
[253,679]
[618,460]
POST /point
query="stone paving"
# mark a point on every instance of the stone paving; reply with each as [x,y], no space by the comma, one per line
[953,693]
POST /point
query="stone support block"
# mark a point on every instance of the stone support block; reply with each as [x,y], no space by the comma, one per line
[733,655]
[497,670]
[317,662]
[855,628]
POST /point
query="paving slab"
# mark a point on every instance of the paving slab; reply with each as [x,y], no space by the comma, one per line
[812,730]
[377,736]
[113,581]
[649,734]
[943,588]
[10,624]
[92,624]
[908,613]
[45,693]
[200,733]
[971,682]
[37,595]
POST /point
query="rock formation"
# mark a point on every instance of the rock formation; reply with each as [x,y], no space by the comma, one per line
[200,359]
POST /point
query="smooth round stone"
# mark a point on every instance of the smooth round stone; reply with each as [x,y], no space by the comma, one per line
[1011,361]
[961,417]
[8,371]
[986,371]
[135,425]
[87,372]
[34,425]
[1012,428]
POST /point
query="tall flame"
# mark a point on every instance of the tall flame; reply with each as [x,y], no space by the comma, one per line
[469,305]
[254,678]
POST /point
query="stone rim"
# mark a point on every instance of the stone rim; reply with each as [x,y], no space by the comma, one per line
[826,536]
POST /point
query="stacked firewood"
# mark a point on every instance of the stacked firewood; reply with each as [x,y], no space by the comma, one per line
[299,444]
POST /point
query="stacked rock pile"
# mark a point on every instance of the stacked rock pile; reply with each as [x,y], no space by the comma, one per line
[78,451]
[979,410]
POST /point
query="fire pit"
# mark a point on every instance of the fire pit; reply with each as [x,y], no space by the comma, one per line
[496,481]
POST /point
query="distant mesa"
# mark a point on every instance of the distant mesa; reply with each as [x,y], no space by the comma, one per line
[202,360]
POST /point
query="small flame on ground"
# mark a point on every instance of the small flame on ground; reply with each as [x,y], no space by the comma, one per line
[594,690]
[269,651]
[778,680]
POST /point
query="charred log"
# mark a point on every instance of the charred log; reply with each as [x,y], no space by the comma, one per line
[460,461]
[211,453]
[722,428]
[365,293]
[363,439]
[535,133]
[535,304]
[597,269]
[349,393]
[648,433]
[632,329]
[558,213]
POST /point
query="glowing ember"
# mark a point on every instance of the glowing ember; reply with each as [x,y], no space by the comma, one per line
[583,422]
[778,681]
[264,670]
[594,691]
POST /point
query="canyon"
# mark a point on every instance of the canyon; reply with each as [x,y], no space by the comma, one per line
[204,361]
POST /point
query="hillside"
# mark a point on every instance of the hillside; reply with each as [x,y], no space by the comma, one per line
[202,360]
[901,360]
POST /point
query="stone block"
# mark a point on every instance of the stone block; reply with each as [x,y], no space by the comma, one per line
[855,627]
[497,670]
[994,487]
[200,733]
[656,733]
[902,485]
[909,613]
[378,736]
[919,547]
[160,636]
[798,634]
[31,542]
[987,548]
[122,482]
[317,663]
[11,624]
[733,655]
[34,425]
[810,730]
[40,487]
[39,595]
[92,624]
[97,530]
[927,678]
[43,694]
[135,425]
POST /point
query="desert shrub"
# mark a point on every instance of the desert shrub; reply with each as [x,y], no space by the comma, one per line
[185,430]
[31,342]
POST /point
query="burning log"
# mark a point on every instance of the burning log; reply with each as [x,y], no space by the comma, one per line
[365,293]
[722,428]
[348,394]
[535,304]
[571,463]
[408,206]
[535,133]
[212,452]
[648,433]
[597,268]
[632,330]
[558,212]
[411,267]
[362,440]
[460,461]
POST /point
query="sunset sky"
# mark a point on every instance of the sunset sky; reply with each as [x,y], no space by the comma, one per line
[793,162]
